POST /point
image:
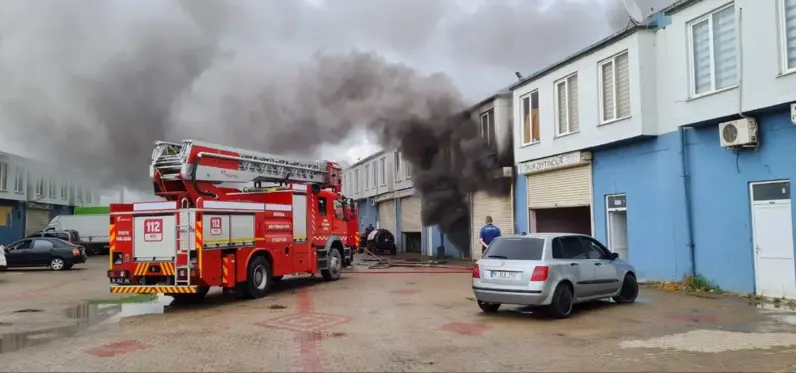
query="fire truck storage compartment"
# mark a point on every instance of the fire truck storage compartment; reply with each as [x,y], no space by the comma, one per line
[299,217]
[155,238]
[223,230]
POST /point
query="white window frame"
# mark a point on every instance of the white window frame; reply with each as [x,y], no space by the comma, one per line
[39,187]
[4,167]
[357,181]
[367,177]
[600,83]
[19,180]
[565,82]
[397,165]
[490,133]
[53,188]
[375,174]
[783,40]
[522,118]
[691,63]
[408,168]
[383,169]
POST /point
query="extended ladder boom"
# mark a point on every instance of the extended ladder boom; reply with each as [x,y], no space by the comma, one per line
[199,161]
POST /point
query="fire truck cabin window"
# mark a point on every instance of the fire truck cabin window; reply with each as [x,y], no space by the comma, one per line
[322,206]
[338,210]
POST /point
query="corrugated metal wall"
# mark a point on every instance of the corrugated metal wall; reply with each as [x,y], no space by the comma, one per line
[501,211]
[563,188]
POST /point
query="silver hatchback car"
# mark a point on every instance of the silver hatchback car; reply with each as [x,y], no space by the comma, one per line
[551,270]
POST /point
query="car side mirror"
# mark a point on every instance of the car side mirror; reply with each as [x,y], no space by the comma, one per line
[614,256]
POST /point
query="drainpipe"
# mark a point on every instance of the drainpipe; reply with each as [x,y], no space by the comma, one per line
[685,177]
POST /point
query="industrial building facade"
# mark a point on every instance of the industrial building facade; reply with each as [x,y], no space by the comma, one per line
[382,185]
[674,142]
[31,194]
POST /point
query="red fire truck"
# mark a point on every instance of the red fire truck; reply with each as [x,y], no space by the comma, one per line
[232,218]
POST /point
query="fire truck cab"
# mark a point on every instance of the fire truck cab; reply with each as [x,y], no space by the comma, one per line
[208,233]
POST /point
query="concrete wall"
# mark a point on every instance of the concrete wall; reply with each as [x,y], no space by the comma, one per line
[649,173]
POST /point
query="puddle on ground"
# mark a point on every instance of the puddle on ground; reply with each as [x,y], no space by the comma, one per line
[86,316]
[776,307]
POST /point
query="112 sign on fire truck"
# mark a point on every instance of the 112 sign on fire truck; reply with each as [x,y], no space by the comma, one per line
[242,238]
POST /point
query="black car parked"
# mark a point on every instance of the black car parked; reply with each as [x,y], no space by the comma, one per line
[44,252]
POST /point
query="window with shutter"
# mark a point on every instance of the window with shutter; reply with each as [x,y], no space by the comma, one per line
[530,118]
[614,88]
[788,11]
[567,116]
[713,49]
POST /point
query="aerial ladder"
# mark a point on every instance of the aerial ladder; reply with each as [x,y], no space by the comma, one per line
[196,169]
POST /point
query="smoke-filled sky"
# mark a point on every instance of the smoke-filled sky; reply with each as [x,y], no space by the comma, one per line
[94,82]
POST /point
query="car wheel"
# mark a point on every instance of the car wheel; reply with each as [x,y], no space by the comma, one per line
[488,307]
[629,291]
[561,305]
[57,264]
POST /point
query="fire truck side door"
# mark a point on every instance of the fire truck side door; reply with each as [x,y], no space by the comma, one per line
[300,252]
[324,217]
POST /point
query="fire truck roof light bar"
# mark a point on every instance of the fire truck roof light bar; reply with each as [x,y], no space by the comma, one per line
[246,206]
[151,206]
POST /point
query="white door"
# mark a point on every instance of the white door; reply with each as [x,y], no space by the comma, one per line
[772,230]
[387,216]
[617,233]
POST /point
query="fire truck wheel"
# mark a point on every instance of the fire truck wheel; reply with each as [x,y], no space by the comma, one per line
[259,279]
[335,266]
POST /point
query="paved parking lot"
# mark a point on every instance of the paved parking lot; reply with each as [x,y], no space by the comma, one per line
[377,321]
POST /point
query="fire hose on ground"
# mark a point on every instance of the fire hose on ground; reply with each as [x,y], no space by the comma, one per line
[383,263]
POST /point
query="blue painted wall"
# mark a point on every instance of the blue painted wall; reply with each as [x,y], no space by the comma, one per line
[649,173]
[15,229]
[521,204]
[721,204]
[367,214]
[450,249]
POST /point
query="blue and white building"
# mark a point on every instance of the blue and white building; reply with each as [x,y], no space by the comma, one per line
[32,193]
[674,143]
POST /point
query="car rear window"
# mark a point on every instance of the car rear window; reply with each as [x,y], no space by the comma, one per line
[516,249]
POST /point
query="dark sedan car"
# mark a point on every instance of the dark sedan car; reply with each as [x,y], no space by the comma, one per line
[44,252]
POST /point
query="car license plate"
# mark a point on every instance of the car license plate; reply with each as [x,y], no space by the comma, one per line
[504,275]
[120,280]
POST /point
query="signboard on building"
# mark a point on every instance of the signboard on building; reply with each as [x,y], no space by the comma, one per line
[554,162]
[39,206]
[394,195]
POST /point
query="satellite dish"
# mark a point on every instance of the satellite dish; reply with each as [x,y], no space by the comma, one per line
[633,11]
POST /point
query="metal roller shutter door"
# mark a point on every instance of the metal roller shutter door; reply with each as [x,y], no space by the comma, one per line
[387,215]
[499,208]
[36,220]
[410,215]
[563,188]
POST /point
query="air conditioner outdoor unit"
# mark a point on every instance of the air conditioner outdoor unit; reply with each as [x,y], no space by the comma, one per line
[738,133]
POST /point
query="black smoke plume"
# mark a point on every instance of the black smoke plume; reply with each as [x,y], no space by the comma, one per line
[91,86]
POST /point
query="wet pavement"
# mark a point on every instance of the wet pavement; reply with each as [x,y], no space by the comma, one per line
[408,319]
